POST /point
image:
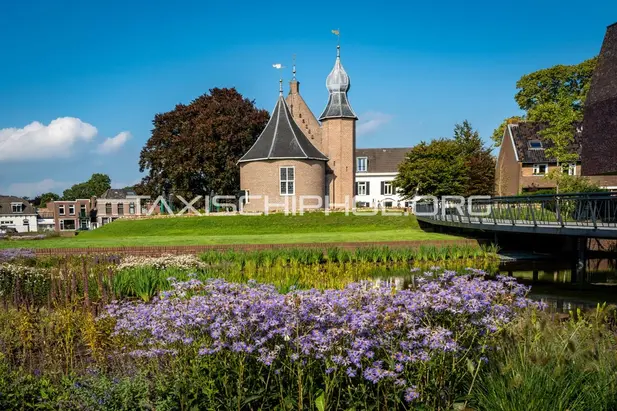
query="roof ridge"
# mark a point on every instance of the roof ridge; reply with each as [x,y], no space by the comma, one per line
[293,132]
[276,125]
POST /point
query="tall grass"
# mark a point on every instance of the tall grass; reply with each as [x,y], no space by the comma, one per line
[545,364]
[311,256]
[93,282]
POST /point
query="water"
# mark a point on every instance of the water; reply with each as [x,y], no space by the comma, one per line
[553,283]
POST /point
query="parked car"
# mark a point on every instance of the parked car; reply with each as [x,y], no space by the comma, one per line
[7,230]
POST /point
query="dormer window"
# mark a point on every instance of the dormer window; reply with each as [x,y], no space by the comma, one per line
[535,145]
[361,164]
[17,207]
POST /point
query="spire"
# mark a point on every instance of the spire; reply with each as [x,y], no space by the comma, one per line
[338,85]
[282,138]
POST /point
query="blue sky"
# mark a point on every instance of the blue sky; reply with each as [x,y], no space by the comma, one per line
[92,75]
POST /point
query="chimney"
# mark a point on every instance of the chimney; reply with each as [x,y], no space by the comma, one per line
[294,87]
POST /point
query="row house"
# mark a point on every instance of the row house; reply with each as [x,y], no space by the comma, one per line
[118,203]
[73,215]
[88,214]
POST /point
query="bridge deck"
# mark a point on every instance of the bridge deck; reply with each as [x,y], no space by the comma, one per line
[523,226]
[591,215]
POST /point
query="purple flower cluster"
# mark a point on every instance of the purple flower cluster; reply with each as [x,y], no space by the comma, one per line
[363,331]
[10,254]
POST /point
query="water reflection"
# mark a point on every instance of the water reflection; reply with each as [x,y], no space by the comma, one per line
[550,280]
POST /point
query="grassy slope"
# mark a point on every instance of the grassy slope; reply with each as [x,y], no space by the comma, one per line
[276,228]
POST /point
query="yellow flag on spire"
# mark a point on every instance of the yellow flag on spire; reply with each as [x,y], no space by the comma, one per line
[336,32]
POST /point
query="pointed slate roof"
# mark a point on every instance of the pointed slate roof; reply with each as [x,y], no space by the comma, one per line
[282,139]
[338,85]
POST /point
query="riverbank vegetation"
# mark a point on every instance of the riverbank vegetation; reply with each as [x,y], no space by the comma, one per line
[293,329]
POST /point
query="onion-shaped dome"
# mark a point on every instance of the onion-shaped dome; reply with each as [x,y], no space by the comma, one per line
[338,85]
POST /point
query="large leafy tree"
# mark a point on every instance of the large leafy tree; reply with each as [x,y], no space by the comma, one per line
[43,199]
[194,148]
[566,85]
[479,163]
[458,166]
[434,168]
[95,186]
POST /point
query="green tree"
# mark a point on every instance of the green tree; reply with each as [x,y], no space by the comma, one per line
[194,148]
[95,186]
[557,82]
[479,162]
[497,135]
[567,85]
[436,168]
[43,199]
[561,120]
[458,166]
[577,184]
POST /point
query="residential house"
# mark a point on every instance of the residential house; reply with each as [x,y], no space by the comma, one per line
[599,152]
[376,169]
[73,215]
[45,219]
[117,203]
[17,213]
[522,163]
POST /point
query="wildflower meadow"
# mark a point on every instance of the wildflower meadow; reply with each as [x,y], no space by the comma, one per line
[293,330]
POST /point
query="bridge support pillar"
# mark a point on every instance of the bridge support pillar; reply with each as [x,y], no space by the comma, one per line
[579,268]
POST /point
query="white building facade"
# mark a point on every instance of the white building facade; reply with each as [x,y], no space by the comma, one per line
[17,214]
[376,169]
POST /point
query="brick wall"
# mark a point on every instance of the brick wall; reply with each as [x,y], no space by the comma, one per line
[507,174]
[54,206]
[339,140]
[303,115]
[263,178]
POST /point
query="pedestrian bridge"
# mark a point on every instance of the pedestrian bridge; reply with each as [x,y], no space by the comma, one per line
[588,215]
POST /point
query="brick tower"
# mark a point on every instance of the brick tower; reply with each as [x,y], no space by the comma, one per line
[338,137]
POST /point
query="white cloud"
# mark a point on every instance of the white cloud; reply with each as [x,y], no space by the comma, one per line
[113,143]
[372,121]
[35,188]
[38,141]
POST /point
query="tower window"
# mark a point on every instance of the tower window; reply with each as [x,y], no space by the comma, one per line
[361,164]
[287,181]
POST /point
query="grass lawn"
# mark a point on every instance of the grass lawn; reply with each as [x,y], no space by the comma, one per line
[277,228]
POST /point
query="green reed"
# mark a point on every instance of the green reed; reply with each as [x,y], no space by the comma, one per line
[311,256]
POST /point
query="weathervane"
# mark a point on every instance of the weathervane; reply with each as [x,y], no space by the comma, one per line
[337,33]
[279,66]
[293,69]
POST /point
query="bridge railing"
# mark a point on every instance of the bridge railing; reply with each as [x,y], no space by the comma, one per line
[596,210]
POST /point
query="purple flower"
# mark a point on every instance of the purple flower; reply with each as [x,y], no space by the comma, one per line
[411,394]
